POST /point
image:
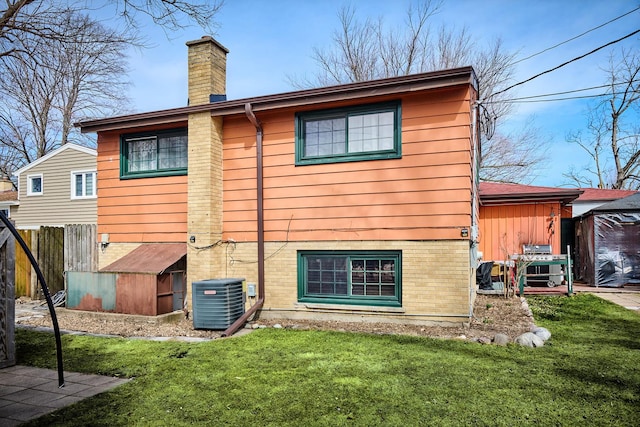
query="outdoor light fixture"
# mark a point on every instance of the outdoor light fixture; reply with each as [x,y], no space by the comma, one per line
[464,232]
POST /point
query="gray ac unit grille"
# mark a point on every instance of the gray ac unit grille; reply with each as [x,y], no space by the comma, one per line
[217,303]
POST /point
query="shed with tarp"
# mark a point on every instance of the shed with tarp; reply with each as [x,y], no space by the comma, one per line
[608,243]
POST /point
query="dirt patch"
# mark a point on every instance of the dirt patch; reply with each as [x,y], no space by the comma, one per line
[493,314]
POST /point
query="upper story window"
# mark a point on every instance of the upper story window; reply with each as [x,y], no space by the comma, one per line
[83,185]
[154,154]
[348,134]
[35,185]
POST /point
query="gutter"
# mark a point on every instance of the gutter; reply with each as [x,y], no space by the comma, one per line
[391,86]
[260,201]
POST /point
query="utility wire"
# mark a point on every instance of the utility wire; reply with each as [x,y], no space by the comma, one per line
[565,63]
[568,98]
[559,93]
[525,98]
[576,37]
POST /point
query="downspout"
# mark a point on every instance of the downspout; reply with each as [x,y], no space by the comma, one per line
[260,208]
[475,198]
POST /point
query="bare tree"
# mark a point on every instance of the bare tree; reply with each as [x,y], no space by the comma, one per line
[593,174]
[613,141]
[171,14]
[44,91]
[23,18]
[514,157]
[365,50]
[56,64]
[34,17]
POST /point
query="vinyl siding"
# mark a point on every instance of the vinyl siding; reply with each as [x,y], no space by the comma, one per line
[55,207]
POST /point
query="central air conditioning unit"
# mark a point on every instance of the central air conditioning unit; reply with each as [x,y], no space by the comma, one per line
[217,303]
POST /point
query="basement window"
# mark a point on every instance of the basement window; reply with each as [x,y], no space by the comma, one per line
[348,134]
[350,277]
[161,153]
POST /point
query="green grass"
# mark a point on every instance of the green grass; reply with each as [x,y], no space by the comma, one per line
[587,374]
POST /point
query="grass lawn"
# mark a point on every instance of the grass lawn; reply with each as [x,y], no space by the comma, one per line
[587,374]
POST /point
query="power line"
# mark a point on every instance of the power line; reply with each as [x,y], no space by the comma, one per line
[568,98]
[565,63]
[525,98]
[560,93]
[576,37]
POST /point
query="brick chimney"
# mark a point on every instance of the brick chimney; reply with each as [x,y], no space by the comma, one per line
[5,183]
[207,61]
[207,83]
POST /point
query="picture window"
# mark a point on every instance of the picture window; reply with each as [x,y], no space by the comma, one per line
[348,134]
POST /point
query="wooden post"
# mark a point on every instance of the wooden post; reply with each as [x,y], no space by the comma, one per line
[569,272]
[7,298]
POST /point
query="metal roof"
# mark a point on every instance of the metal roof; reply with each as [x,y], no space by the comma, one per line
[148,258]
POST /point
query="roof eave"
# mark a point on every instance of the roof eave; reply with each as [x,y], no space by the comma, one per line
[382,87]
[504,199]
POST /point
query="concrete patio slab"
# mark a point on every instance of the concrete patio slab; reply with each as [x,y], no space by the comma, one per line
[27,393]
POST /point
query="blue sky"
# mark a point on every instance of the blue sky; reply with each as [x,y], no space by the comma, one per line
[269,40]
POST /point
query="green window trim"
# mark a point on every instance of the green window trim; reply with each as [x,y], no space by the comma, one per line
[372,278]
[169,146]
[346,132]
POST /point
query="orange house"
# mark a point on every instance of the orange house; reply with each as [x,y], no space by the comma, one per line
[514,215]
[355,202]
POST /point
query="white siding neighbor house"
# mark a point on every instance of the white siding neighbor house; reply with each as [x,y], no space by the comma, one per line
[57,189]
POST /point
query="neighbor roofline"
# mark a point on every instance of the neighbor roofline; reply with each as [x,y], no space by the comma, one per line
[50,154]
[563,196]
[358,90]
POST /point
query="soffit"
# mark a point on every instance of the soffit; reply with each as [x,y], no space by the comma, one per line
[492,193]
[359,90]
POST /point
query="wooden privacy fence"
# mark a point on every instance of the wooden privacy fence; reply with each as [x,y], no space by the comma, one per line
[80,247]
[23,266]
[51,258]
[56,249]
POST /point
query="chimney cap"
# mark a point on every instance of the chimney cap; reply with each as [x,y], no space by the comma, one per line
[207,39]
